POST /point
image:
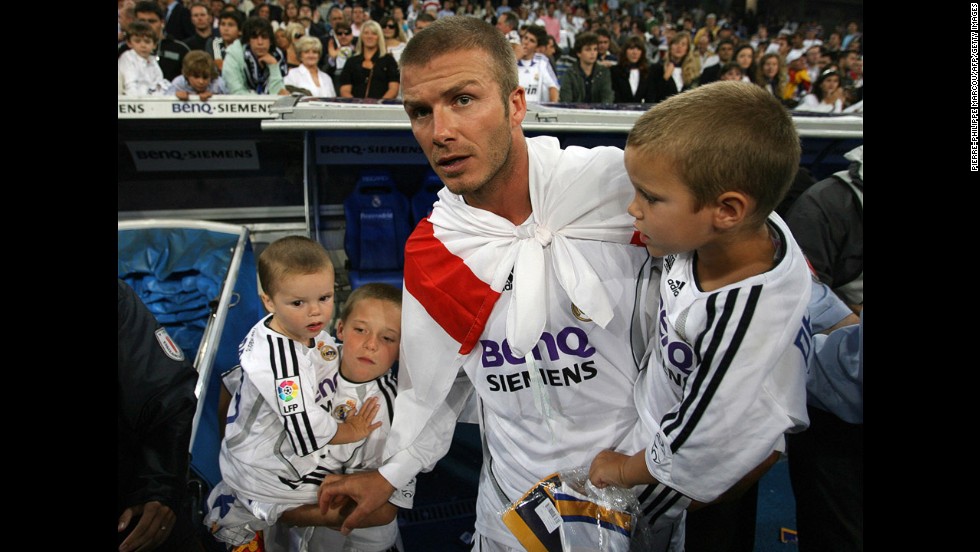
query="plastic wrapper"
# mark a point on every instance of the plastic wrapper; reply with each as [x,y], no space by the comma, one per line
[565,512]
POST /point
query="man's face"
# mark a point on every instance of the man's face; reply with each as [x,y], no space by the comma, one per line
[357,14]
[458,118]
[153,20]
[503,26]
[336,16]
[588,54]
[216,7]
[201,18]
[725,52]
[344,36]
[603,44]
[260,45]
[530,44]
[812,56]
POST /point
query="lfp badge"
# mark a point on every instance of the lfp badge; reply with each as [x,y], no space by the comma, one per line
[290,398]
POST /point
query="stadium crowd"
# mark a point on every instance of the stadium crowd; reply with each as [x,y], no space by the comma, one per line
[577,53]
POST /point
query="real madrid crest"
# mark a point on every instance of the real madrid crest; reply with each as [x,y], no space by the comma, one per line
[342,410]
[577,313]
[328,353]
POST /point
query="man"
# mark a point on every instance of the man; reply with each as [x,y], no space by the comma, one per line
[423,20]
[169,53]
[508,23]
[203,30]
[358,17]
[587,81]
[605,56]
[217,6]
[177,19]
[711,73]
[156,405]
[534,71]
[515,313]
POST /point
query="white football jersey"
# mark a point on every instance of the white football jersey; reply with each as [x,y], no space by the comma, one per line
[726,373]
[279,420]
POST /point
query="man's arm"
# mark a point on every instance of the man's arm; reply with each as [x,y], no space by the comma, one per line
[157,412]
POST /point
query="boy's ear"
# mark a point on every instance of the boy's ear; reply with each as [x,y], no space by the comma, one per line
[267,302]
[731,208]
[340,330]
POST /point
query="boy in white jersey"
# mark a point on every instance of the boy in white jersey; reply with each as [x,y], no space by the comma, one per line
[725,375]
[370,329]
[273,455]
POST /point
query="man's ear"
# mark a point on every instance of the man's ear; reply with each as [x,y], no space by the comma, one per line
[731,208]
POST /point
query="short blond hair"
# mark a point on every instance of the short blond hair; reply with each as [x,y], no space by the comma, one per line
[724,136]
[306,44]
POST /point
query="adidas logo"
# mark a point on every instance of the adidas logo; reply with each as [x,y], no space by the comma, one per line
[675,286]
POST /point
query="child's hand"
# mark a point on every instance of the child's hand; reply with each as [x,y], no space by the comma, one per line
[607,469]
[205,95]
[360,420]
[183,95]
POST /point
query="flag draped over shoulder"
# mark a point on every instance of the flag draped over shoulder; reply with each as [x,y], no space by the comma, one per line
[459,260]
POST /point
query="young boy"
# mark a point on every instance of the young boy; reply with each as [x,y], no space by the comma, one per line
[230,24]
[370,330]
[138,68]
[281,418]
[725,371]
[200,76]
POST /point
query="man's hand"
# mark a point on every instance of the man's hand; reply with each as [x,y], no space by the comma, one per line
[370,490]
[155,524]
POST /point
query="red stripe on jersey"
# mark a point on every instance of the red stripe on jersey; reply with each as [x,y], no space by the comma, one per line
[447,289]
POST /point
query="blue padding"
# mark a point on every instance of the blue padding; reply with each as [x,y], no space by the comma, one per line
[246,309]
[424,198]
[177,272]
[378,223]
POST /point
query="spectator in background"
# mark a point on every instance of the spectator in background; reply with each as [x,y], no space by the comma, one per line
[253,65]
[216,7]
[799,83]
[358,16]
[169,53]
[395,38]
[230,24]
[200,76]
[631,76]
[731,71]
[156,404]
[587,81]
[138,69]
[423,20]
[826,96]
[678,71]
[725,53]
[308,75]
[126,16]
[608,48]
[311,21]
[745,58]
[372,72]
[203,30]
[340,48]
[177,19]
[852,33]
[771,75]
[508,24]
[534,73]
[270,12]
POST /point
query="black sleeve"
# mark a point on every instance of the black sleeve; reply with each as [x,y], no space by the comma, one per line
[156,405]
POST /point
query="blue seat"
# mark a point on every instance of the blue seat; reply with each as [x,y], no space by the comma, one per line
[424,198]
[378,219]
